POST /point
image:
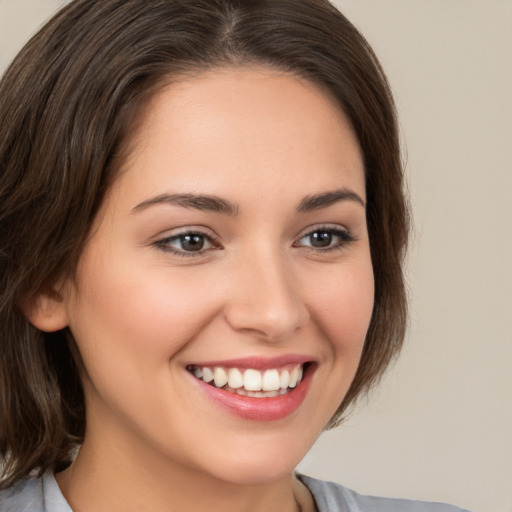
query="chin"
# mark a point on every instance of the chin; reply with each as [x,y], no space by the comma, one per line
[247,473]
[260,464]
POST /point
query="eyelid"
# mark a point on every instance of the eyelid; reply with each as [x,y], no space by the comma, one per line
[163,242]
[342,232]
[323,227]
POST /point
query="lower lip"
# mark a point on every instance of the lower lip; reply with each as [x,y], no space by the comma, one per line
[259,409]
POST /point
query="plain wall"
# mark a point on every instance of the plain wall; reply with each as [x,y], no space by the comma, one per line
[440,425]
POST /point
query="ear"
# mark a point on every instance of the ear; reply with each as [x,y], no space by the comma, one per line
[47,311]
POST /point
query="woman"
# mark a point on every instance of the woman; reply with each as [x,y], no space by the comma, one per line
[202,231]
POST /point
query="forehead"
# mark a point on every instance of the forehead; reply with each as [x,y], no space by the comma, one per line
[266,127]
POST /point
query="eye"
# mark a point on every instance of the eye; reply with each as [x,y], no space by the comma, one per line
[189,243]
[325,239]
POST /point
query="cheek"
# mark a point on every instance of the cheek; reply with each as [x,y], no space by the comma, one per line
[343,306]
[164,313]
[138,315]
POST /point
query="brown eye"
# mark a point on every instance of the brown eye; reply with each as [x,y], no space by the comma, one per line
[187,244]
[326,238]
[191,242]
[321,239]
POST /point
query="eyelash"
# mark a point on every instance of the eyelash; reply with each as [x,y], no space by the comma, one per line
[165,244]
[344,238]
[343,235]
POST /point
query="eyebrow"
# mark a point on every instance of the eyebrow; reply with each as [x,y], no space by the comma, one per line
[216,204]
[318,201]
[204,203]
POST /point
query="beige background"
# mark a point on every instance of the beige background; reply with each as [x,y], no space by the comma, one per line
[440,426]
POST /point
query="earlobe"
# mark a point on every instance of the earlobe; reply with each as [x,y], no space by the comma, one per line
[47,311]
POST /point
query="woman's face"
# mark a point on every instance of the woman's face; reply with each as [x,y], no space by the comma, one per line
[233,243]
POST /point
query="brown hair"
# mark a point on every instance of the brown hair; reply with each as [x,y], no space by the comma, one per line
[68,103]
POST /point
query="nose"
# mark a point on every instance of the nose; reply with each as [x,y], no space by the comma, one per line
[264,300]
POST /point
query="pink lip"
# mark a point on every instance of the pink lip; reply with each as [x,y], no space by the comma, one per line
[257,409]
[258,363]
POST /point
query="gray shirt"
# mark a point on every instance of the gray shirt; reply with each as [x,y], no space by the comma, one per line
[43,495]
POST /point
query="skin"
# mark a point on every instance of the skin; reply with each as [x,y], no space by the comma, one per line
[140,313]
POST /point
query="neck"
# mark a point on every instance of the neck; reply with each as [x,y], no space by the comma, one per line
[117,480]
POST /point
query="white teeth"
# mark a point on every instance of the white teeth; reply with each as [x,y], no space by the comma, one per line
[285,379]
[294,377]
[207,375]
[220,377]
[235,378]
[271,381]
[252,380]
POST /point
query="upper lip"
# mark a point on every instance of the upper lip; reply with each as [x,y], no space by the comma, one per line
[257,362]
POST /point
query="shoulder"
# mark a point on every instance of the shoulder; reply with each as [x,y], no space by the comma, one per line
[34,495]
[332,497]
[25,496]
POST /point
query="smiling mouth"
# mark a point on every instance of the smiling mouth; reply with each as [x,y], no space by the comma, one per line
[252,382]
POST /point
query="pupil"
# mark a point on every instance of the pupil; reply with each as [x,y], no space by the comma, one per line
[321,239]
[192,242]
